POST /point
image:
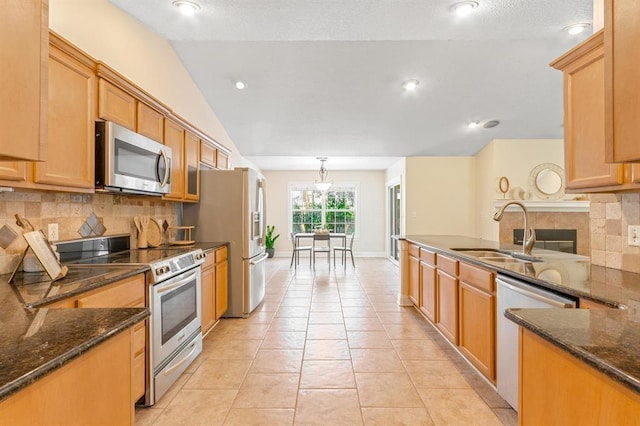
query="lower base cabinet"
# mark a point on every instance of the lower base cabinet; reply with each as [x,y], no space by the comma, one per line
[214,288]
[558,389]
[447,305]
[477,329]
[91,389]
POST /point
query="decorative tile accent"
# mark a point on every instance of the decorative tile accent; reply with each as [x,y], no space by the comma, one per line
[92,227]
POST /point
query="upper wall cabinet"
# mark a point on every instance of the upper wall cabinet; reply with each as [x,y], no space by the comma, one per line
[622,85]
[587,170]
[71,118]
[192,167]
[24,31]
[174,139]
[114,104]
[149,122]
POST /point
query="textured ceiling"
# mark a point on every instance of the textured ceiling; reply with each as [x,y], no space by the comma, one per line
[325,76]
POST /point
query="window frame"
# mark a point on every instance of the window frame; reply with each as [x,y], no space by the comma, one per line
[306,185]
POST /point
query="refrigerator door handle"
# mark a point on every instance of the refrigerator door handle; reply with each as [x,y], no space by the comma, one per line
[261,206]
[261,258]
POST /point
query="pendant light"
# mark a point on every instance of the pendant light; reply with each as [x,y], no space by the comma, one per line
[323,184]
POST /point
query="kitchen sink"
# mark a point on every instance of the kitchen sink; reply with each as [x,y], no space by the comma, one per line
[498,256]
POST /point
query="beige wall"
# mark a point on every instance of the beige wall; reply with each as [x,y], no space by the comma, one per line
[370,235]
[513,158]
[144,57]
[440,195]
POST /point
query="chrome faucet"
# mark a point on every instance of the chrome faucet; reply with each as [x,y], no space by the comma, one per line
[529,237]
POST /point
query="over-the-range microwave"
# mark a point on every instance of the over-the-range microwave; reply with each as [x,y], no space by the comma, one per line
[129,162]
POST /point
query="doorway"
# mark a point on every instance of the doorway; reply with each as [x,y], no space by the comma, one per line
[394,203]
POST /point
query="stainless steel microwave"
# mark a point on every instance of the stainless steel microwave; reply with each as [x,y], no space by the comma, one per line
[129,162]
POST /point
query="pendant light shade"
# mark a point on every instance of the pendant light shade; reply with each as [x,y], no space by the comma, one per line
[323,184]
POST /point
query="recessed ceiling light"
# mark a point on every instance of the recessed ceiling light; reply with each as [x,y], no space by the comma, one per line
[463,8]
[473,124]
[410,85]
[576,28]
[185,7]
[240,85]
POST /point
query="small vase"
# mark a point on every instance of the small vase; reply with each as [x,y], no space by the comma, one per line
[270,252]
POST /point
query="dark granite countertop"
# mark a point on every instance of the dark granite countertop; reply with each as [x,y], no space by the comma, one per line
[206,246]
[34,342]
[606,339]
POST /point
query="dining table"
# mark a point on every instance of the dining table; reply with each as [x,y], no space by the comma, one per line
[332,235]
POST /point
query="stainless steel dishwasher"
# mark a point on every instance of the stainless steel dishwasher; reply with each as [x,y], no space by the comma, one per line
[513,293]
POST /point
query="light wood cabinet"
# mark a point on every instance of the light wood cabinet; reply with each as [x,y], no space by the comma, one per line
[91,389]
[569,392]
[622,86]
[428,294]
[71,121]
[477,309]
[447,305]
[15,171]
[24,31]
[149,122]
[222,285]
[174,138]
[192,167]
[208,154]
[214,287]
[132,293]
[223,160]
[414,274]
[114,104]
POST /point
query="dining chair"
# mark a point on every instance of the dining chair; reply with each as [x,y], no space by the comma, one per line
[348,247]
[321,248]
[295,255]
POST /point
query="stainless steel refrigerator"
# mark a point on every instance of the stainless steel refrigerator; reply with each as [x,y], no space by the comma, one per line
[232,208]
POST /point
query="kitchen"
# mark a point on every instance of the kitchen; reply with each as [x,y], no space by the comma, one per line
[116,212]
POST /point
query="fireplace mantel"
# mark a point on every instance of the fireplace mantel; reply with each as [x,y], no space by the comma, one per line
[560,206]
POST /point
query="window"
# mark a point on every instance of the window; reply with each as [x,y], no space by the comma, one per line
[311,209]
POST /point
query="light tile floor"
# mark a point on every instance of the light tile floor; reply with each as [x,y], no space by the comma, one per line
[329,347]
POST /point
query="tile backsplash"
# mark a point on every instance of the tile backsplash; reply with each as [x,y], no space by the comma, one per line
[610,217]
[70,211]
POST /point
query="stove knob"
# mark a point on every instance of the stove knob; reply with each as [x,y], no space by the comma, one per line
[166,269]
[159,271]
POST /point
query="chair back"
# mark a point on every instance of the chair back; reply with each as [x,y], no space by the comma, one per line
[293,239]
[351,238]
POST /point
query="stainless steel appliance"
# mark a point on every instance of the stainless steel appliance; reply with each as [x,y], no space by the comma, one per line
[175,337]
[232,208]
[513,293]
[129,162]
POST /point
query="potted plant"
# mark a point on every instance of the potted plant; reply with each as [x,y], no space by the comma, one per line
[270,240]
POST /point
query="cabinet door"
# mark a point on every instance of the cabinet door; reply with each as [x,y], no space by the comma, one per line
[428,295]
[192,167]
[114,104]
[149,122]
[223,160]
[14,171]
[24,31]
[208,299]
[414,280]
[207,154]
[222,291]
[584,127]
[447,307]
[477,328]
[71,124]
[622,62]
[174,138]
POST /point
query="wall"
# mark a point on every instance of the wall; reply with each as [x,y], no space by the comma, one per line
[69,211]
[440,195]
[513,158]
[110,35]
[370,236]
[610,215]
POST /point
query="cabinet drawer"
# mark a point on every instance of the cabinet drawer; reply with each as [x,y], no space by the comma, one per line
[447,264]
[221,255]
[414,250]
[129,292]
[138,339]
[478,277]
[209,260]
[427,256]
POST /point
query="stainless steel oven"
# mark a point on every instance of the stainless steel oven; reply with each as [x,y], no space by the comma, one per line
[176,337]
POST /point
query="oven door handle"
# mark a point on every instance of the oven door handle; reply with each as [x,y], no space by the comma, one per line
[171,369]
[260,259]
[169,287]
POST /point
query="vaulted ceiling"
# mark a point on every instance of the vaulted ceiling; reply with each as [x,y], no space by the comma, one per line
[325,76]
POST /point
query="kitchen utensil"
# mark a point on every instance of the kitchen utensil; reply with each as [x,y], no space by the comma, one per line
[141,224]
[186,235]
[154,233]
